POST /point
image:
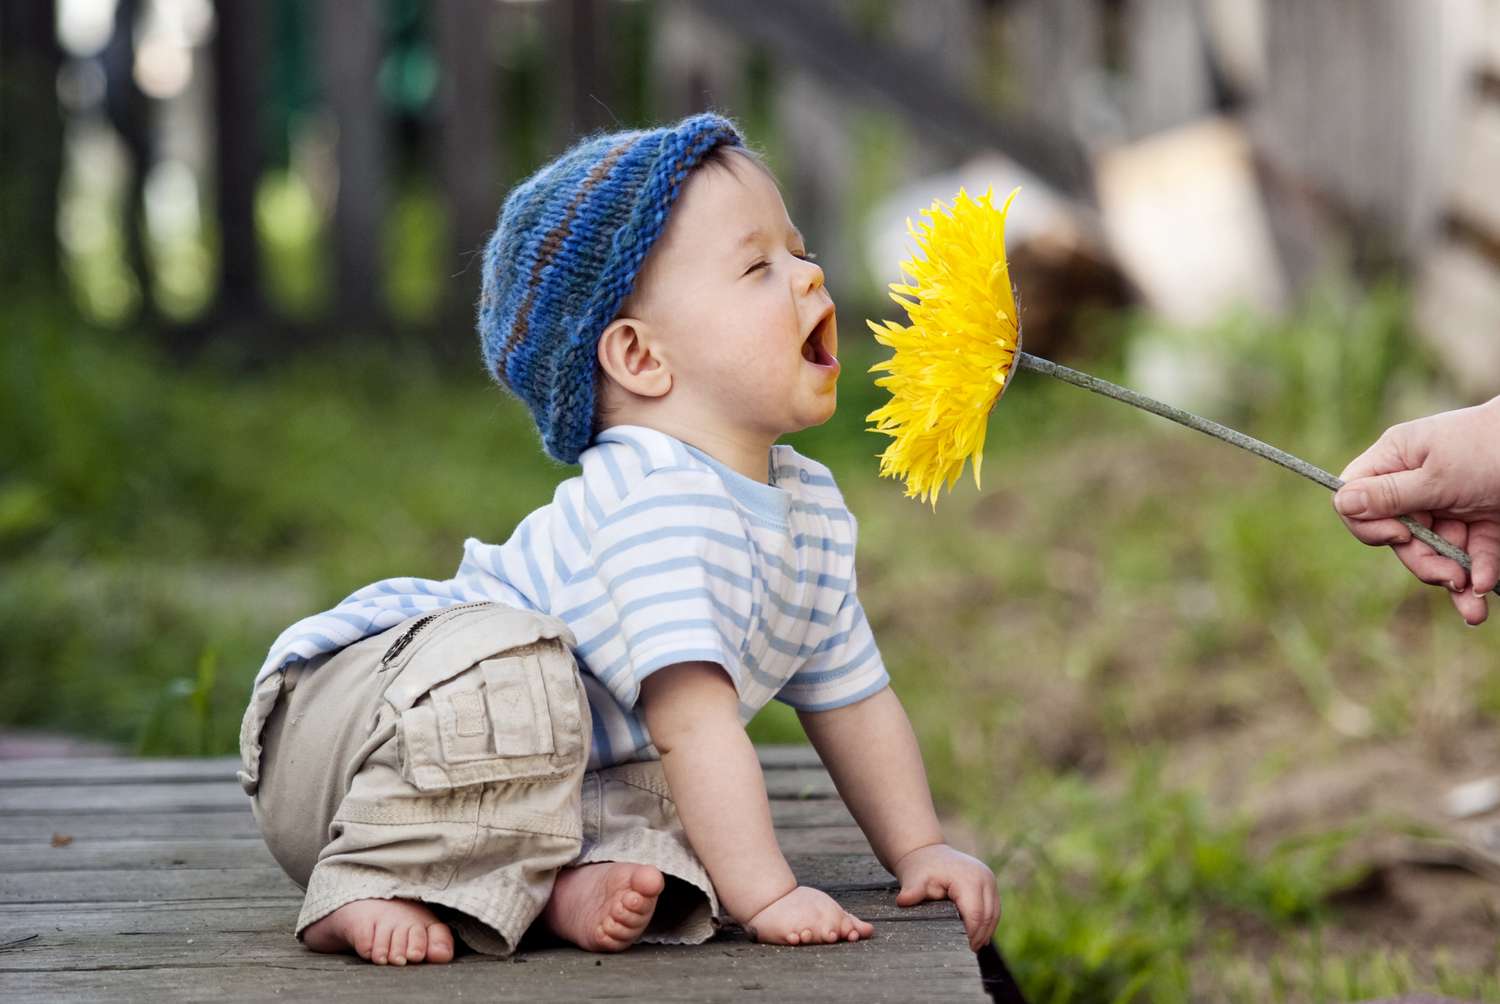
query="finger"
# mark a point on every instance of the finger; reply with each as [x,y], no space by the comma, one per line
[1393,494]
[970,902]
[1484,549]
[1382,457]
[1471,606]
[912,892]
[1377,532]
[1455,532]
[1431,567]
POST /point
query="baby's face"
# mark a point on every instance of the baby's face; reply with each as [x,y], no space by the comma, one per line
[741,316]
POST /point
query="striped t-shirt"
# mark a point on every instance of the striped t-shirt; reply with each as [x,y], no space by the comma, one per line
[658,554]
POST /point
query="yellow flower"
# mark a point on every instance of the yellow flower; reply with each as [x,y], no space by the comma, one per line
[951,362]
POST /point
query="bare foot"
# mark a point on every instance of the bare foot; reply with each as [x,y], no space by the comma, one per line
[603,907]
[394,931]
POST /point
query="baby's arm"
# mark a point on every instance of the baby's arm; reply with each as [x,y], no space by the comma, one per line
[692,713]
[871,752]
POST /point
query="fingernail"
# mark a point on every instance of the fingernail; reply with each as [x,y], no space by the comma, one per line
[1351,503]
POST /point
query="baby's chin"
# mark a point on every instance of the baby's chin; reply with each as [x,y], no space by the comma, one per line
[820,416]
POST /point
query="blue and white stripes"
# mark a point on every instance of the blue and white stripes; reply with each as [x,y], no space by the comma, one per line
[656,555]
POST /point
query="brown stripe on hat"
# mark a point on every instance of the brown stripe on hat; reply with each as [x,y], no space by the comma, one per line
[550,245]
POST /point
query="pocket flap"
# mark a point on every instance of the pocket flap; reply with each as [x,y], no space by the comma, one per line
[518,706]
[517,717]
[451,645]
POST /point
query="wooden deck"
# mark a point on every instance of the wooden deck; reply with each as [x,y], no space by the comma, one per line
[147,880]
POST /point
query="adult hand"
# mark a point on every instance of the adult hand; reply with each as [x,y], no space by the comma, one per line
[1444,472]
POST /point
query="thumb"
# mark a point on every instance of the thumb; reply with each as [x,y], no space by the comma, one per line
[913,891]
[1383,495]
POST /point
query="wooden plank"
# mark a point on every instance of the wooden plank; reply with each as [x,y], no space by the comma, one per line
[113,770]
[166,892]
[89,799]
[837,871]
[84,854]
[54,771]
[27,828]
[55,952]
[213,794]
[82,922]
[905,962]
[103,855]
[788,755]
[21,828]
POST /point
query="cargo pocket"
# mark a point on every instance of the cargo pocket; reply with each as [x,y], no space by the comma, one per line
[513,715]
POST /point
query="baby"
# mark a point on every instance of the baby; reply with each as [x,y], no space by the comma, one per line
[555,736]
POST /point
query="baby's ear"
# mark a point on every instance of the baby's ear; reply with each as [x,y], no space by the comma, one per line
[626,356]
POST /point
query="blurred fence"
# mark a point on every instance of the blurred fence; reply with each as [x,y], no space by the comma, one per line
[244,168]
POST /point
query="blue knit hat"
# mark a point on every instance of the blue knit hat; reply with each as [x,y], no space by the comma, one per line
[564,256]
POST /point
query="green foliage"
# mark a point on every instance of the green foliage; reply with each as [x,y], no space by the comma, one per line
[1123,885]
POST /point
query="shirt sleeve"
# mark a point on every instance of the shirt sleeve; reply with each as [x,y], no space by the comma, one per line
[844,669]
[673,564]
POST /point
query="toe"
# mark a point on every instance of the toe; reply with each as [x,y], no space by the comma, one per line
[363,940]
[416,943]
[439,943]
[647,881]
[617,933]
[380,949]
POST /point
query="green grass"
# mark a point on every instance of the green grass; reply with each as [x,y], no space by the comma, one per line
[1129,638]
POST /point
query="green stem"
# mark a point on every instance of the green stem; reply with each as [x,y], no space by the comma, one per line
[1027,361]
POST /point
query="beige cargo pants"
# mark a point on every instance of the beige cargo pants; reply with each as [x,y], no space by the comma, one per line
[445,761]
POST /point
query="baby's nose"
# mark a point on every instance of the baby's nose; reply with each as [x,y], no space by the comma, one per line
[815,279]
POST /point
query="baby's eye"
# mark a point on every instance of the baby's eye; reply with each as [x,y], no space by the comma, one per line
[807,255]
[758,266]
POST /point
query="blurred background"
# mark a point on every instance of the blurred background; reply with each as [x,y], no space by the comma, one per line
[1216,749]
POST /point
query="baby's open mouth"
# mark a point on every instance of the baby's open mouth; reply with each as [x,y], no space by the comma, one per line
[815,348]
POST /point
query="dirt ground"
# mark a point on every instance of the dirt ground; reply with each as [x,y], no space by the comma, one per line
[1428,872]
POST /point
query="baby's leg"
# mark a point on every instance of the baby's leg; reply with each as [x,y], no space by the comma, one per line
[603,907]
[394,931]
[636,878]
[448,780]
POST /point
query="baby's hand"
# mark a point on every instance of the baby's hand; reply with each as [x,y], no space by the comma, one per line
[940,872]
[806,916]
